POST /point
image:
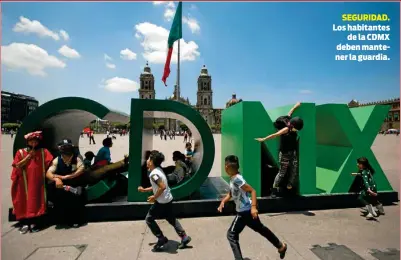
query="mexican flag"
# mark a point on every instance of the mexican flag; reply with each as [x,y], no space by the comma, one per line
[175,34]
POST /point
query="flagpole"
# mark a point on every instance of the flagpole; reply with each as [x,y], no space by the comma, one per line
[178,80]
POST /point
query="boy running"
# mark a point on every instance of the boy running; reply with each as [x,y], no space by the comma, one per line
[162,200]
[247,212]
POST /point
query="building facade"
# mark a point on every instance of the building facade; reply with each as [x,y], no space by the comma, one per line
[15,107]
[392,120]
[204,103]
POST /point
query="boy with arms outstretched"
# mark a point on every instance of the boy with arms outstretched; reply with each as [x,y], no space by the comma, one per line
[287,127]
[162,200]
[247,212]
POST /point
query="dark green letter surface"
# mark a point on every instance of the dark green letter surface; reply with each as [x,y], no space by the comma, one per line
[138,107]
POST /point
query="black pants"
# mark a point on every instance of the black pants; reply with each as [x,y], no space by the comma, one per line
[288,168]
[91,139]
[245,219]
[68,207]
[163,211]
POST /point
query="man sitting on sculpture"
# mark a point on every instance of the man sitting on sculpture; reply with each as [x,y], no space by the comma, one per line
[64,173]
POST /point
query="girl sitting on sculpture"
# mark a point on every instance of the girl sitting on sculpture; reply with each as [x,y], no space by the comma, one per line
[103,156]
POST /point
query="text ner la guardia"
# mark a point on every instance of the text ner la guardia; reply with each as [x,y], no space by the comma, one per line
[361,28]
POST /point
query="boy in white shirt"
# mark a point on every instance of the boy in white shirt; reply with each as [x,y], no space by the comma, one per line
[247,212]
[163,202]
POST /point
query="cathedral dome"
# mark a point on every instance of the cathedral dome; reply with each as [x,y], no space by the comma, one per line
[233,101]
[204,71]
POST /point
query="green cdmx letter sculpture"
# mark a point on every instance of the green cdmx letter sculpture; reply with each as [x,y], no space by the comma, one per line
[333,137]
[144,109]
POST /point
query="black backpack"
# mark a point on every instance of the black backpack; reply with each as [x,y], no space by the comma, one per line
[281,122]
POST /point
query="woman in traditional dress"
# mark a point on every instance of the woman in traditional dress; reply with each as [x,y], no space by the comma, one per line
[28,191]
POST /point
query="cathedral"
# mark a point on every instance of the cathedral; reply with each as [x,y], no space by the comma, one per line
[392,121]
[204,103]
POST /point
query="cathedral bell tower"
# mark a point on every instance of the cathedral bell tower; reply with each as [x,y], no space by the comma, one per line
[147,84]
[205,93]
[204,103]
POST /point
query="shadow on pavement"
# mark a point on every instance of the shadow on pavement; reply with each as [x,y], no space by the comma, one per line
[306,213]
[171,247]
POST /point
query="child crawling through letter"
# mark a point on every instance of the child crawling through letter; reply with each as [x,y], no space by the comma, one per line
[287,131]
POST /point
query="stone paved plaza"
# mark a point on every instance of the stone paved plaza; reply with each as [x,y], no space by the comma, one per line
[130,240]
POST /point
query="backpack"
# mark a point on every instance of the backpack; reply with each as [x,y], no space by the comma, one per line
[281,122]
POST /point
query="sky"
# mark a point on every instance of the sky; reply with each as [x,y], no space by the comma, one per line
[276,53]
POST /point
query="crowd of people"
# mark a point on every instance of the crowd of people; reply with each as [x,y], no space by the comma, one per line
[172,134]
[38,177]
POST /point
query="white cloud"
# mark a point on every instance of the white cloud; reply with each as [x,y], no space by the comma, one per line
[64,35]
[110,65]
[154,42]
[305,91]
[107,57]
[69,53]
[192,23]
[169,14]
[29,57]
[118,84]
[127,54]
[27,26]
[170,4]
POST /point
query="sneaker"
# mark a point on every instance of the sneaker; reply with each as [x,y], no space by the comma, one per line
[160,243]
[370,216]
[283,251]
[34,228]
[24,229]
[371,210]
[184,242]
[380,209]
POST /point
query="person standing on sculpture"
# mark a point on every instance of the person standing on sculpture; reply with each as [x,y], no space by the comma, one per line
[288,160]
[162,200]
[66,169]
[247,212]
[28,191]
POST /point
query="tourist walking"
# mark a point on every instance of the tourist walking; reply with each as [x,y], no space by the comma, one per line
[247,212]
[91,137]
[28,182]
[185,136]
[162,200]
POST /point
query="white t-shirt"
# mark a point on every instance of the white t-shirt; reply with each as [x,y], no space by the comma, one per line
[240,197]
[154,176]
